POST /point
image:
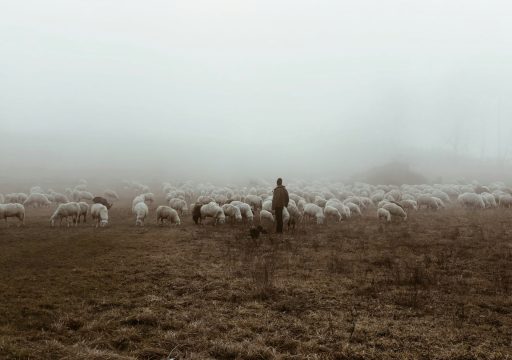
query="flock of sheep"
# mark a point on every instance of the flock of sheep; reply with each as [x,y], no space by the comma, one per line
[317,202]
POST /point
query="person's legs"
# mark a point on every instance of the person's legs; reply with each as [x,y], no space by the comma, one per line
[279,220]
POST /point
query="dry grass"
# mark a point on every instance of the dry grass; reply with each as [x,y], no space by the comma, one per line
[436,287]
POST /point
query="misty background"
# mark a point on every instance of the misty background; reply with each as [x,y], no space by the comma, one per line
[228,89]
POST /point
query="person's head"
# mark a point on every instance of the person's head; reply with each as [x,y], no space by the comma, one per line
[279,181]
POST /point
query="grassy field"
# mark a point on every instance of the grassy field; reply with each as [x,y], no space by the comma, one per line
[438,286]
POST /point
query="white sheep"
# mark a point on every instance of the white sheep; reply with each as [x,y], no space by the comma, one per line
[233,212]
[84,207]
[489,200]
[471,201]
[12,210]
[354,208]
[214,211]
[141,212]
[331,212]
[314,211]
[37,200]
[505,200]
[409,204]
[66,211]
[245,210]
[383,214]
[254,201]
[428,202]
[266,219]
[167,213]
[59,198]
[396,210]
[179,205]
[99,212]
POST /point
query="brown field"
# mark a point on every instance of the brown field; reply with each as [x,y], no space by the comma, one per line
[438,286]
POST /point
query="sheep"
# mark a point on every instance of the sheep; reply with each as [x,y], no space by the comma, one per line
[214,211]
[489,200]
[84,207]
[233,212]
[136,200]
[409,204]
[204,200]
[471,201]
[428,202]
[59,198]
[395,210]
[141,212]
[505,200]
[383,214]
[295,214]
[99,212]
[245,210]
[314,211]
[167,213]
[78,195]
[254,201]
[343,209]
[111,194]
[179,205]
[266,219]
[37,200]
[320,201]
[354,208]
[12,210]
[331,212]
[71,209]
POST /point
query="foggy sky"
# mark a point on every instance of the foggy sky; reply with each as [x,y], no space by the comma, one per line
[202,88]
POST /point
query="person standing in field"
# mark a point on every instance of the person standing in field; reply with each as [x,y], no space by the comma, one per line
[280,200]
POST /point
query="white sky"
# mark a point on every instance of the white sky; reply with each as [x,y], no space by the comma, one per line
[203,87]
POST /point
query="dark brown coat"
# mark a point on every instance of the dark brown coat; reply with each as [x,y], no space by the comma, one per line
[280,197]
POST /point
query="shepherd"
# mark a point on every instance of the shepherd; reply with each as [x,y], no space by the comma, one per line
[280,200]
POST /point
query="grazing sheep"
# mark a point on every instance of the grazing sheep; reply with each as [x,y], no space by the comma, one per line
[141,212]
[489,200]
[395,210]
[66,211]
[138,199]
[59,198]
[204,200]
[12,210]
[383,214]
[409,204]
[471,201]
[331,212]
[254,201]
[314,211]
[78,195]
[233,212]
[354,208]
[84,207]
[111,194]
[295,214]
[266,219]
[167,213]
[505,201]
[428,202]
[99,212]
[214,211]
[179,205]
[245,210]
[37,200]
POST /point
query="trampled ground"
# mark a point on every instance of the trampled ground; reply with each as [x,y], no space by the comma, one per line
[438,286]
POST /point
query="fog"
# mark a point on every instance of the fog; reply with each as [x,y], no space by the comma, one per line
[238,89]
